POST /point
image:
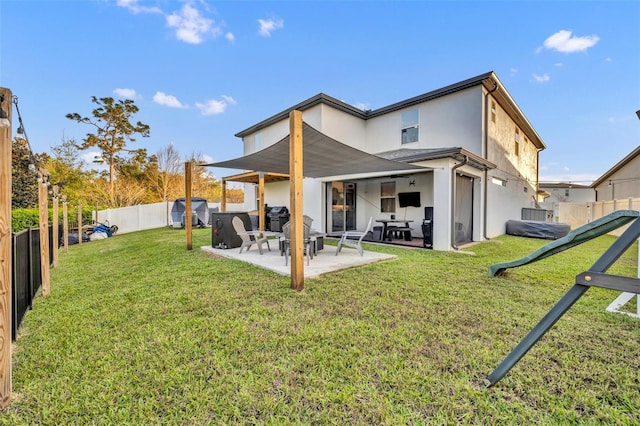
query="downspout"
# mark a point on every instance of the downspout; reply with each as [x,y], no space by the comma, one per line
[487,113]
[453,201]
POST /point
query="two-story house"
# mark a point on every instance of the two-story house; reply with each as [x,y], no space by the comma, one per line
[477,152]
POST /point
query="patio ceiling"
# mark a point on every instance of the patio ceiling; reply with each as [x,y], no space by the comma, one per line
[322,156]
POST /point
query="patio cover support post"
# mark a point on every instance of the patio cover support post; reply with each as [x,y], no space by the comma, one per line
[5,253]
[56,237]
[44,231]
[261,218]
[187,202]
[295,198]
[223,197]
[583,282]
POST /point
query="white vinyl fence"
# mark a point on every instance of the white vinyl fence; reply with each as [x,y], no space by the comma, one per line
[146,216]
[578,214]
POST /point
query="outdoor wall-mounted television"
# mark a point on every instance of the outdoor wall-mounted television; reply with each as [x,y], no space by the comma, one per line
[409,199]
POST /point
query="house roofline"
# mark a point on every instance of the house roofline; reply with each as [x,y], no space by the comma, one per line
[489,81]
[619,165]
[318,99]
[562,185]
[456,153]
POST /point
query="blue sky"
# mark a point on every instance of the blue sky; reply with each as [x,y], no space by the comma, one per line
[201,71]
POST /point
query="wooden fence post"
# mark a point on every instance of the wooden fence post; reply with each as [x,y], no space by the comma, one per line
[44,230]
[65,224]
[79,221]
[55,232]
[5,250]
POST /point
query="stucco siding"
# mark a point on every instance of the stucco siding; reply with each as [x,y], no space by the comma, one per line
[450,121]
[516,169]
[625,183]
[342,127]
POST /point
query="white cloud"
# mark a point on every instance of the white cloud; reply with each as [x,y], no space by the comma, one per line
[541,78]
[229,99]
[513,70]
[215,107]
[191,27]
[125,93]
[559,64]
[563,41]
[267,26]
[167,100]
[135,8]
[230,37]
[608,60]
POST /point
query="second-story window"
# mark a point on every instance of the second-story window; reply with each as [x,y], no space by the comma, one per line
[493,112]
[516,148]
[409,125]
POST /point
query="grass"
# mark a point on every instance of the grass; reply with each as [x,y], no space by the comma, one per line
[140,331]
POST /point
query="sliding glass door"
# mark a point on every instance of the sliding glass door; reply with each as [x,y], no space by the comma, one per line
[343,206]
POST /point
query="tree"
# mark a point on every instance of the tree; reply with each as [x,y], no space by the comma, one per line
[204,184]
[165,174]
[24,183]
[65,169]
[113,127]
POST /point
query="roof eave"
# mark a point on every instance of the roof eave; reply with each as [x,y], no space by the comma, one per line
[320,98]
[633,154]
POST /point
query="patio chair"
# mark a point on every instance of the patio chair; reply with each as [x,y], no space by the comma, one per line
[307,220]
[354,239]
[285,242]
[248,238]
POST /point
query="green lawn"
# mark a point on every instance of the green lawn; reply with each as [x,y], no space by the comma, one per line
[140,331]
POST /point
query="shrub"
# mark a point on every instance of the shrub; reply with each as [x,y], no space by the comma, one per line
[25,218]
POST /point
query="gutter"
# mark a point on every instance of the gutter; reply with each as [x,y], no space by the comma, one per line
[453,201]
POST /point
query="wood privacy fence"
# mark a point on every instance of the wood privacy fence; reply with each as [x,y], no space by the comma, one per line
[578,214]
[26,274]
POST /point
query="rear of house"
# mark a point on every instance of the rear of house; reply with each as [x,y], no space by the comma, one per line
[477,150]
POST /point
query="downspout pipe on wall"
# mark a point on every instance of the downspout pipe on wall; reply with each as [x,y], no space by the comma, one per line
[487,114]
[453,201]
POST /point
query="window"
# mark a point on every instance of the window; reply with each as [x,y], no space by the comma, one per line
[516,149]
[493,112]
[566,192]
[498,181]
[388,197]
[409,126]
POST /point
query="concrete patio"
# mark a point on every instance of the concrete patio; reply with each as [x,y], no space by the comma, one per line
[324,262]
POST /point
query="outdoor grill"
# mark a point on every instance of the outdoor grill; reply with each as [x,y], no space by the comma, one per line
[278,216]
[427,228]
